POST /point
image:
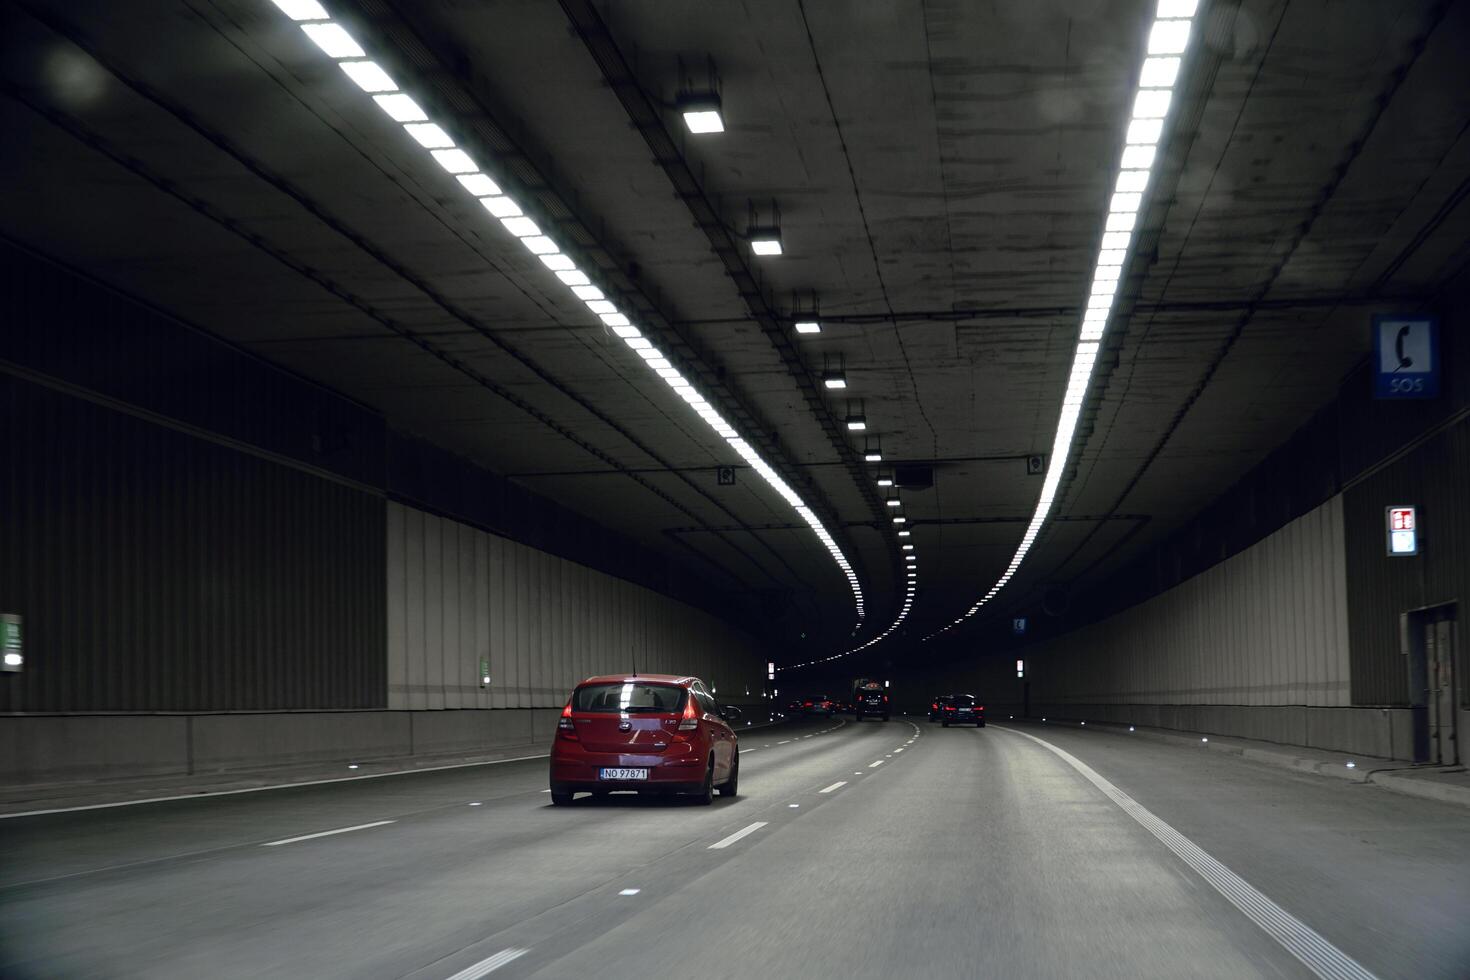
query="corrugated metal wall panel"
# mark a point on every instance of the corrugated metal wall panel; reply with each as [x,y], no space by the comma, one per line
[457,594]
[161,572]
[1435,477]
[1265,627]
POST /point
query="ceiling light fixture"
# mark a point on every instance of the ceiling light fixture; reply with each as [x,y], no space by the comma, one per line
[807,326]
[1168,39]
[332,39]
[764,235]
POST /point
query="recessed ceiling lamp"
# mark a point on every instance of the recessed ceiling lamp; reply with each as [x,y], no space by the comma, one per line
[700,105]
[764,235]
[834,372]
[1168,41]
[807,326]
[872,450]
[702,112]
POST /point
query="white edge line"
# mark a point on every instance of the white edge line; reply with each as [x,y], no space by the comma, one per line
[263,789]
[743,832]
[490,964]
[837,785]
[327,833]
[1295,936]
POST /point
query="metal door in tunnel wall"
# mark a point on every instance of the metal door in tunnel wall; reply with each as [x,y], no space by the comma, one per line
[1430,638]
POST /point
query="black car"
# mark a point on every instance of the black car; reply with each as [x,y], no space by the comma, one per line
[870,701]
[961,709]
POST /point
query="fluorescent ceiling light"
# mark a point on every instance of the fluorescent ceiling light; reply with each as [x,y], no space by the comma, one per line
[1152,103]
[701,121]
[455,161]
[587,292]
[1124,201]
[302,9]
[1176,8]
[905,534]
[573,278]
[908,547]
[627,332]
[368,76]
[899,520]
[1116,239]
[872,457]
[808,326]
[539,244]
[1121,222]
[1132,182]
[615,319]
[501,207]
[1107,273]
[1112,256]
[834,381]
[335,41]
[1138,157]
[766,246]
[601,305]
[1159,73]
[521,227]
[885,481]
[856,423]
[429,135]
[893,502]
[1144,132]
[1168,37]
[400,107]
[557,262]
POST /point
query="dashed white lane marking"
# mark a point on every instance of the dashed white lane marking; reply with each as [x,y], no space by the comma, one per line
[837,785]
[630,891]
[783,743]
[1298,938]
[742,832]
[327,833]
[546,791]
[490,964]
[899,749]
[873,765]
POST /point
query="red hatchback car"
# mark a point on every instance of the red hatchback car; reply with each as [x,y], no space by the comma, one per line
[654,733]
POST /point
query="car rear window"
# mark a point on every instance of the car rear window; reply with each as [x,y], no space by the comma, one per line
[631,698]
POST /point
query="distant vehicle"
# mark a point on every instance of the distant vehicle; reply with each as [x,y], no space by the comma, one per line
[819,704]
[961,709]
[870,701]
[796,705]
[653,733]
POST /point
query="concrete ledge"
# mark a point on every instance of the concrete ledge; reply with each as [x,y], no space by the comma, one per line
[1369,731]
[47,749]
[1445,784]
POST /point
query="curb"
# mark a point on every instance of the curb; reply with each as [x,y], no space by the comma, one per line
[1386,774]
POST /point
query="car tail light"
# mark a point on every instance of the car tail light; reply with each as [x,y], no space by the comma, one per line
[690,720]
[949,708]
[564,726]
[885,699]
[808,704]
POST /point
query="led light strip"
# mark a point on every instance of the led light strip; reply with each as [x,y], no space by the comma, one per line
[340,46]
[1168,40]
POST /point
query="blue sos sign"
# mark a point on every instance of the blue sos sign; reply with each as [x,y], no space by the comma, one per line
[1405,356]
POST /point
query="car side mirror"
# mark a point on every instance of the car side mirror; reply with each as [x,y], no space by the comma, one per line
[729,712]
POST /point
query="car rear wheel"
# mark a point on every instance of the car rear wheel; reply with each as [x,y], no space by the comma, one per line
[885,717]
[979,724]
[706,794]
[561,797]
[732,785]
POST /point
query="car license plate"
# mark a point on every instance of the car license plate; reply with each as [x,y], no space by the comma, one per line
[624,774]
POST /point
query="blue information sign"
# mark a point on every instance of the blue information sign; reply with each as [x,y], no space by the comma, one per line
[1405,356]
[1018,625]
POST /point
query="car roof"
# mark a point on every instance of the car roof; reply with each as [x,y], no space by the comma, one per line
[676,680]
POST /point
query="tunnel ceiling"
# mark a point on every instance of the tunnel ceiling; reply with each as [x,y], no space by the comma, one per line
[942,171]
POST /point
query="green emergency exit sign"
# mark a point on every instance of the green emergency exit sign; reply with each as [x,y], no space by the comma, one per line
[12,653]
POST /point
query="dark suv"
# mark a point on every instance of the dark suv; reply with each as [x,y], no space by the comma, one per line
[870,701]
[961,709]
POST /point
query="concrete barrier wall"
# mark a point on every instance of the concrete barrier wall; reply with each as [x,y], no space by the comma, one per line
[35,749]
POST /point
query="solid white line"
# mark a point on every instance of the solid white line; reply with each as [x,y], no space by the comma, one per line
[837,785]
[874,764]
[1298,938]
[490,964]
[327,833]
[262,789]
[744,832]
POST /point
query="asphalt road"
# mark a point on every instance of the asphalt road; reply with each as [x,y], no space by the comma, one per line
[854,850]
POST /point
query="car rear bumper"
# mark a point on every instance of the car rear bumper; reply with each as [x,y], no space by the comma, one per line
[578,769]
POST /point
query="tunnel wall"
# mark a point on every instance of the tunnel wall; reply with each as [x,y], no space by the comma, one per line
[1257,646]
[198,542]
[457,595]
